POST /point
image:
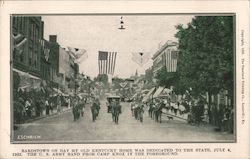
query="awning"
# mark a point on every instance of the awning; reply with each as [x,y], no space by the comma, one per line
[23,87]
[158,92]
[134,95]
[25,74]
[165,93]
[145,91]
[57,91]
[151,91]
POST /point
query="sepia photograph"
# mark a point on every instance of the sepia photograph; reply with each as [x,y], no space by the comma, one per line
[123,78]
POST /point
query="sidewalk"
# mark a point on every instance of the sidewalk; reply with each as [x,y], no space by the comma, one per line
[182,117]
[52,113]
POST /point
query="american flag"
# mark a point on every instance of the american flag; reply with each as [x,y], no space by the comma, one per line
[171,60]
[106,62]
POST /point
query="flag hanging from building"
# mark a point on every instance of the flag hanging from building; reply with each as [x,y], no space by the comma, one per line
[79,55]
[45,48]
[106,62]
[141,58]
[171,60]
[18,40]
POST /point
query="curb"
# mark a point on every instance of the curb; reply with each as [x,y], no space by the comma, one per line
[45,116]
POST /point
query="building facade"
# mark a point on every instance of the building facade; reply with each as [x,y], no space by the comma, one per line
[26,53]
[161,57]
[68,71]
[26,50]
[50,62]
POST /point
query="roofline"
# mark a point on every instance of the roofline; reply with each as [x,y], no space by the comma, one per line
[166,45]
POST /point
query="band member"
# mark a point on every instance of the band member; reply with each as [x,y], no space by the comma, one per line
[94,109]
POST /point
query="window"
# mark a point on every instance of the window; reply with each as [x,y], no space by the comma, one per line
[19,23]
[23,24]
[30,56]
[14,21]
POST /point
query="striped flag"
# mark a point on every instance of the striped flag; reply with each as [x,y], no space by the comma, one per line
[45,48]
[106,62]
[141,58]
[171,60]
[79,55]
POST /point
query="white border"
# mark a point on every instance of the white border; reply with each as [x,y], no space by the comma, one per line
[241,8]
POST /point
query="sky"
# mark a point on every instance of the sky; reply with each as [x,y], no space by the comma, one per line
[143,33]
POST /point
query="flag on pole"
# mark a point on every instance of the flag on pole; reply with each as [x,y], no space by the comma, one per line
[141,58]
[171,60]
[79,55]
[106,62]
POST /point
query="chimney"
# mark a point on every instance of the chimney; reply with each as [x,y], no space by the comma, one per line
[53,38]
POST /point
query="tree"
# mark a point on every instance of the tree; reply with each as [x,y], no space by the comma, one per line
[205,60]
[101,78]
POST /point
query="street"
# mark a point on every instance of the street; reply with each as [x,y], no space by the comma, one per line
[62,128]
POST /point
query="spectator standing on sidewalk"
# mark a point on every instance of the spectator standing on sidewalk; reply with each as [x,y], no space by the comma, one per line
[59,104]
[69,102]
[231,120]
[47,107]
[28,108]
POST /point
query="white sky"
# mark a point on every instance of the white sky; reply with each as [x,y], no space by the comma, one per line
[101,33]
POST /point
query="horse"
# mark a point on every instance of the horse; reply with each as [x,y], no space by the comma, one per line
[116,110]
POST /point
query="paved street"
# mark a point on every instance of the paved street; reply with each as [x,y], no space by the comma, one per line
[63,128]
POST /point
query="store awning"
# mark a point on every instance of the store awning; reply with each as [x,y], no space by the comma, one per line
[134,95]
[25,74]
[58,91]
[165,92]
[145,91]
[158,92]
[146,98]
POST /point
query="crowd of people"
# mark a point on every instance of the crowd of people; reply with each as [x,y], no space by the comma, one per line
[78,107]
[197,111]
[29,105]
[137,110]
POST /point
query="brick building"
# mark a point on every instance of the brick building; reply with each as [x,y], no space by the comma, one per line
[160,57]
[26,50]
